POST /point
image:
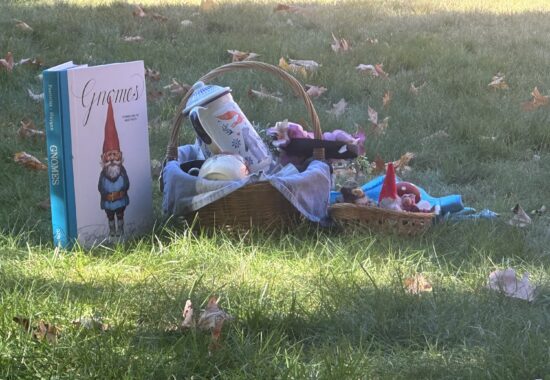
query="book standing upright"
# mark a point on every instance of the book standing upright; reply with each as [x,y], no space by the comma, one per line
[100,179]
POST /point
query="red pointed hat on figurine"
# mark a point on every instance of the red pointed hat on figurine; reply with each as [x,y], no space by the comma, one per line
[388,194]
[111,136]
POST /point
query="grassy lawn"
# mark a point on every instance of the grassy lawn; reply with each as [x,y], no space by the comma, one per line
[310,303]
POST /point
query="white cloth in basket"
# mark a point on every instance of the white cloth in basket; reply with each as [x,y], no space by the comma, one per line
[308,191]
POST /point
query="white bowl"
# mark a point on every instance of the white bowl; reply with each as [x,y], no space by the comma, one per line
[225,167]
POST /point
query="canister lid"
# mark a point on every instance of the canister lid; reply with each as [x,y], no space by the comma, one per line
[204,94]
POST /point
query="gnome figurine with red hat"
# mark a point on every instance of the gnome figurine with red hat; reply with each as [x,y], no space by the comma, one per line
[113,180]
[388,194]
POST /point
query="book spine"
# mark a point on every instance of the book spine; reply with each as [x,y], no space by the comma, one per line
[56,161]
[68,153]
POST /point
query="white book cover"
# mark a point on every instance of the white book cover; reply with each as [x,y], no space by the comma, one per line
[109,144]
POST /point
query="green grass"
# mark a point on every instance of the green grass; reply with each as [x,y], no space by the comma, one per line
[303,305]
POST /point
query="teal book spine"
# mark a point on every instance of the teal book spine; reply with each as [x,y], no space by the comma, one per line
[68,155]
[56,159]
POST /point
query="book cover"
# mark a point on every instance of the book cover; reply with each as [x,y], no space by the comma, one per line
[106,152]
[54,148]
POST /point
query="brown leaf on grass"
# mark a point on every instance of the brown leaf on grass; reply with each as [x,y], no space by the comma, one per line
[43,331]
[505,282]
[339,45]
[91,323]
[35,97]
[212,319]
[29,161]
[188,321]
[308,64]
[292,68]
[46,331]
[520,218]
[138,11]
[207,5]
[315,91]
[33,62]
[21,25]
[386,99]
[378,166]
[132,39]
[159,17]
[154,95]
[6,63]
[498,82]
[238,56]
[367,69]
[263,94]
[538,100]
[28,130]
[539,211]
[379,67]
[417,284]
[416,90]
[152,74]
[402,164]
[288,8]
[45,204]
[177,88]
[378,128]
[339,108]
[25,323]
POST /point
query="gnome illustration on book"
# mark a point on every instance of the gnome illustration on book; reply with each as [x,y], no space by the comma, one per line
[113,181]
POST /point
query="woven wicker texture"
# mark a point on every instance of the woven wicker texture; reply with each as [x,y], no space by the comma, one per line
[256,205]
[383,220]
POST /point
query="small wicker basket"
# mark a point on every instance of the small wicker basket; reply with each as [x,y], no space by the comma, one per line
[383,220]
[255,205]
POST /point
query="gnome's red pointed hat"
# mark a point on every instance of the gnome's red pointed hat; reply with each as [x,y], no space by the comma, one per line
[389,189]
[110,143]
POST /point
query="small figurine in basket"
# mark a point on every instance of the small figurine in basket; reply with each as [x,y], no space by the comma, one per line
[402,196]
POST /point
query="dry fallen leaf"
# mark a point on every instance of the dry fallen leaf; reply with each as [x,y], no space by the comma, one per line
[188,320]
[379,69]
[315,91]
[35,97]
[263,94]
[177,88]
[294,69]
[91,323]
[339,44]
[505,281]
[538,100]
[378,128]
[138,11]
[378,166]
[186,23]
[308,64]
[338,108]
[7,62]
[386,99]
[43,331]
[368,69]
[28,129]
[238,56]
[29,161]
[152,74]
[132,39]
[207,5]
[288,8]
[212,319]
[539,211]
[498,82]
[417,284]
[416,90]
[159,17]
[33,62]
[21,25]
[520,218]
[373,115]
[402,165]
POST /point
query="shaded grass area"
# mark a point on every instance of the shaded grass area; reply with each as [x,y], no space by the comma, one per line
[304,305]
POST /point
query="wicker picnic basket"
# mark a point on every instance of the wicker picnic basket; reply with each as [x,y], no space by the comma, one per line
[382,220]
[258,204]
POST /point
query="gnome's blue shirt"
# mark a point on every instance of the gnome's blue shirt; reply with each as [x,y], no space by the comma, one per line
[107,186]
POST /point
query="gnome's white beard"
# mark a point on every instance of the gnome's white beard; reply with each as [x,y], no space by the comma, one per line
[112,169]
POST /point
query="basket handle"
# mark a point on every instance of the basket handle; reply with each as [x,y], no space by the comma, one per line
[318,153]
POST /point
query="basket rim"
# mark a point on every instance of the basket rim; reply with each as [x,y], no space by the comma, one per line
[380,210]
